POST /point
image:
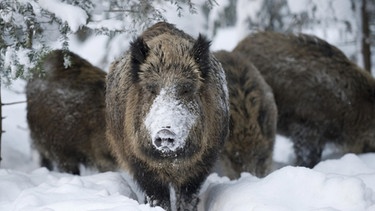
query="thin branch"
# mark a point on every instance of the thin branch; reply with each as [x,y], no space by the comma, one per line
[13,103]
[121,10]
[365,39]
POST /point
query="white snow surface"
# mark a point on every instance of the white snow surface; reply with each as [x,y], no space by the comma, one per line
[169,113]
[44,190]
[294,188]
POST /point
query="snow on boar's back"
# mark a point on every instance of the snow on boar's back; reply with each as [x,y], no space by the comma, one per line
[321,95]
[167,114]
[65,114]
[253,117]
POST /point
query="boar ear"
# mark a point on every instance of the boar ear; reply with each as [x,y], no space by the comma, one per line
[138,51]
[201,54]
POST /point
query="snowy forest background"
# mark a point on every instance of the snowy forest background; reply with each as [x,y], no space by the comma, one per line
[100,30]
[31,28]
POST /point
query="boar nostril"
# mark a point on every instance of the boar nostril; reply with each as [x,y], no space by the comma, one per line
[157,142]
[163,141]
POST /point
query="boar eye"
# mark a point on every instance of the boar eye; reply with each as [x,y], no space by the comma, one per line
[186,88]
[152,88]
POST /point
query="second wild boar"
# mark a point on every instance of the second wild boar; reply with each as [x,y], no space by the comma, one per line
[322,97]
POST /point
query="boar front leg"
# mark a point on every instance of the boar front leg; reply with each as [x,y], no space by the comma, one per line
[308,146]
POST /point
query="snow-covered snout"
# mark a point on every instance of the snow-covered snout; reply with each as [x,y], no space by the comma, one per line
[169,121]
[164,138]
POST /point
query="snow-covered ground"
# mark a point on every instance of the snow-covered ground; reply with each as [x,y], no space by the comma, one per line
[346,183]
[338,183]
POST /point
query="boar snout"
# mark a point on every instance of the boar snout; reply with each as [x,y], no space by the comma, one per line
[165,139]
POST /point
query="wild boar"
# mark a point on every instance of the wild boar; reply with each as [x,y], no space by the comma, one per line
[253,117]
[322,97]
[167,114]
[65,114]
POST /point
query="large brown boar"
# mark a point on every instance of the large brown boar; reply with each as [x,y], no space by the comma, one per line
[321,95]
[65,113]
[167,114]
[253,116]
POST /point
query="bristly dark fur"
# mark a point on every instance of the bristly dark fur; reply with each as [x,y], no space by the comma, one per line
[318,45]
[139,51]
[201,54]
[253,119]
[65,114]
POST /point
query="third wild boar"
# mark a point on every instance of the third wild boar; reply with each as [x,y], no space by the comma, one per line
[65,114]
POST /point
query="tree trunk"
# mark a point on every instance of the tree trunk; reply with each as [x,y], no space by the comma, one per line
[366,51]
[1,120]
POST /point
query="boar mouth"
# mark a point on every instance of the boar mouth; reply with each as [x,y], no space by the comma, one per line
[168,150]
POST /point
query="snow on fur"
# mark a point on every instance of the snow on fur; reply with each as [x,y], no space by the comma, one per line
[168,113]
